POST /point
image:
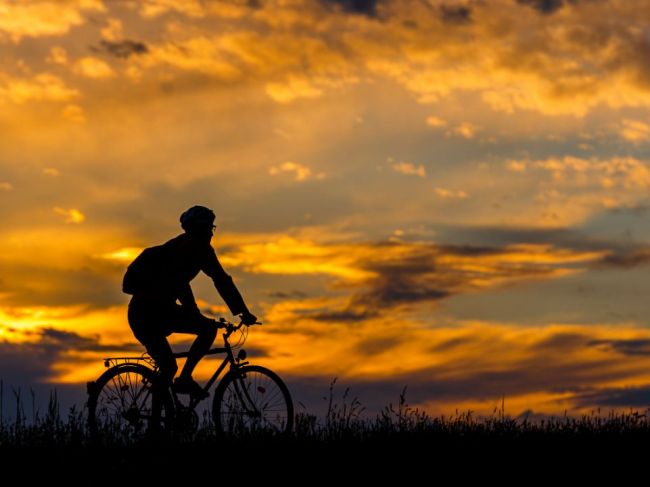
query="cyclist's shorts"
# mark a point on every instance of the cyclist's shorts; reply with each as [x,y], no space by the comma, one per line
[152,320]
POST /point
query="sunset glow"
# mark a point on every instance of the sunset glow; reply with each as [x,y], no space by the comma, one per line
[446,194]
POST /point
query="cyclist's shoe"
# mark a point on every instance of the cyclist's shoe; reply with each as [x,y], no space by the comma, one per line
[189,386]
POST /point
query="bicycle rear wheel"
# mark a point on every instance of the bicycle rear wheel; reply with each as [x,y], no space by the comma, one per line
[252,399]
[128,402]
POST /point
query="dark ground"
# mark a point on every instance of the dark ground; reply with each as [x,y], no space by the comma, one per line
[429,460]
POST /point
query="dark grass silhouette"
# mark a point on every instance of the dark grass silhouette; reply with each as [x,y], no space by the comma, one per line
[399,439]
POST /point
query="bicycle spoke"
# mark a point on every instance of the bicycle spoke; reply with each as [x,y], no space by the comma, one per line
[124,403]
[254,401]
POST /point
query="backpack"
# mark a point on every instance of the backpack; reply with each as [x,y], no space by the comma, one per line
[143,273]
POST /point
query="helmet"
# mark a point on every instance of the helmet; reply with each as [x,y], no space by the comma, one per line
[196,217]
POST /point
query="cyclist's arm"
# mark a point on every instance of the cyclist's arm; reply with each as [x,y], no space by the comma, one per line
[224,283]
[186,297]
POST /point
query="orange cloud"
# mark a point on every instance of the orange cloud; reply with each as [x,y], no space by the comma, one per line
[356,336]
[301,172]
[200,54]
[621,172]
[92,67]
[58,55]
[44,18]
[465,129]
[516,166]
[113,30]
[403,275]
[278,61]
[489,56]
[409,169]
[504,57]
[290,51]
[635,131]
[433,121]
[292,89]
[154,8]
[123,256]
[566,190]
[472,365]
[74,113]
[43,86]
[71,215]
[451,194]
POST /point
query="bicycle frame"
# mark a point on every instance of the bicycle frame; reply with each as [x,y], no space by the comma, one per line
[229,359]
[235,363]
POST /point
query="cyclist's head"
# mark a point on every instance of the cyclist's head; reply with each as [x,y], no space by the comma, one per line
[198,220]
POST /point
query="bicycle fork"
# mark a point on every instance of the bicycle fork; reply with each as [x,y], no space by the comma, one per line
[241,390]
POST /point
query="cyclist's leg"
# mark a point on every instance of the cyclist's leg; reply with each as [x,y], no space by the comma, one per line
[159,349]
[205,330]
[147,321]
[145,324]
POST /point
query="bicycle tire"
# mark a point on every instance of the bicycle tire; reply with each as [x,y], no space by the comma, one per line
[252,400]
[121,404]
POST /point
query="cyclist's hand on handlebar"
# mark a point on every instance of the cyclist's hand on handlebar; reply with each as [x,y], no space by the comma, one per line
[248,318]
[221,323]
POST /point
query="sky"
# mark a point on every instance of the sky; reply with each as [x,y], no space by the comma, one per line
[445,195]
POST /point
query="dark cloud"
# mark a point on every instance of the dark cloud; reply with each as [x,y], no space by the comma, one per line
[295,294]
[395,289]
[58,341]
[536,374]
[456,14]
[543,6]
[626,347]
[451,343]
[32,362]
[365,7]
[26,369]
[626,258]
[257,352]
[470,250]
[410,279]
[25,363]
[346,315]
[616,397]
[491,235]
[429,273]
[637,209]
[54,341]
[562,341]
[121,49]
[620,254]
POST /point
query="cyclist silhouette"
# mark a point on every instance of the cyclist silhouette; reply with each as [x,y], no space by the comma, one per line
[159,277]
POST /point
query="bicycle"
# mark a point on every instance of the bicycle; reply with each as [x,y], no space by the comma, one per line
[131,399]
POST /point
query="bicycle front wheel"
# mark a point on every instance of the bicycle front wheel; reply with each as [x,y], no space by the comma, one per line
[127,402]
[252,399]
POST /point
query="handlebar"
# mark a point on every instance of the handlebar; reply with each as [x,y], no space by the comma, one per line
[231,327]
